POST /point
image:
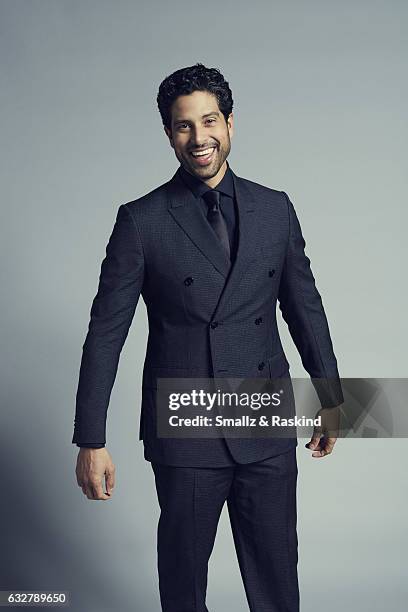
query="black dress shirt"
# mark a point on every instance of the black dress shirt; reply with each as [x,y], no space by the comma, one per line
[228,209]
[228,204]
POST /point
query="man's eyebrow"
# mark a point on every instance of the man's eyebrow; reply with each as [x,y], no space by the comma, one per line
[203,117]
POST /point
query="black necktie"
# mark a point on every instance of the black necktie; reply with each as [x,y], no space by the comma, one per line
[216,219]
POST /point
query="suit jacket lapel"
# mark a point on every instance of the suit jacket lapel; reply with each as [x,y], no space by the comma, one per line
[247,240]
[183,207]
[185,210]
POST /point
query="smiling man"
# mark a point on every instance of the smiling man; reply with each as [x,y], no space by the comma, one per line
[212,254]
[201,136]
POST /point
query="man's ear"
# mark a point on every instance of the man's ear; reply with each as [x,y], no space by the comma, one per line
[230,124]
[168,133]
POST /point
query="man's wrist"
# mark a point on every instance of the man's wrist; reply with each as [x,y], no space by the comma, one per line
[95,445]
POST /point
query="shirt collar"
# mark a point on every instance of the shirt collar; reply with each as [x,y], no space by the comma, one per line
[198,187]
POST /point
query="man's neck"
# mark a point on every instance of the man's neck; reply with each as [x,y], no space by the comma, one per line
[213,181]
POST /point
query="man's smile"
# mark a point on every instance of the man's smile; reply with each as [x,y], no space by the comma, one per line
[203,156]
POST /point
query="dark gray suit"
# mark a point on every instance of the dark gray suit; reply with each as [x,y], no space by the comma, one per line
[208,319]
[203,320]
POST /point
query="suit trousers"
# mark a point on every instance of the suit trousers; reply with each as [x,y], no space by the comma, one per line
[261,501]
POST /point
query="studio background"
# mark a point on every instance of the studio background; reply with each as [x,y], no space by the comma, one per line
[319,90]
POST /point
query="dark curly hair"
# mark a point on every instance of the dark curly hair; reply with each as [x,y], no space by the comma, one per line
[193,78]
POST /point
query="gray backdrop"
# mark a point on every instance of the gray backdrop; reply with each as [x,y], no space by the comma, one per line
[319,90]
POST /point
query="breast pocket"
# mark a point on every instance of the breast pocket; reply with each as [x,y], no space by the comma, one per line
[271,260]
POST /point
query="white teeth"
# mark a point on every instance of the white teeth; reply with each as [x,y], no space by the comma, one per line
[200,153]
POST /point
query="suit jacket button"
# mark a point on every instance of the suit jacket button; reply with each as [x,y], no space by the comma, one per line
[258,321]
[213,324]
[271,272]
[188,281]
[261,365]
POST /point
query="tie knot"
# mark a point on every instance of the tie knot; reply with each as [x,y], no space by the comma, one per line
[212,197]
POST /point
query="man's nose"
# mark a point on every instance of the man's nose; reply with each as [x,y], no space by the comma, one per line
[198,136]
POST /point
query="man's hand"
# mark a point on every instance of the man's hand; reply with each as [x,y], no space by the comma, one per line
[325,436]
[92,465]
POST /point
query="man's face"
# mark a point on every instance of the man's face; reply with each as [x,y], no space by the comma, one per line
[197,124]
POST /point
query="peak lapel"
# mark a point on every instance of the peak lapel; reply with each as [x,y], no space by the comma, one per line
[247,240]
[184,207]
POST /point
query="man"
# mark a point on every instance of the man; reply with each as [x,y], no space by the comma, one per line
[211,253]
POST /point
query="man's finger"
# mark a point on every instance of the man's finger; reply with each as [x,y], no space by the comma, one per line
[319,449]
[109,481]
[94,491]
[98,493]
[330,442]
[326,447]
[314,442]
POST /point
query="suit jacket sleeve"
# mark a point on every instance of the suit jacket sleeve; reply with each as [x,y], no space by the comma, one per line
[302,309]
[113,307]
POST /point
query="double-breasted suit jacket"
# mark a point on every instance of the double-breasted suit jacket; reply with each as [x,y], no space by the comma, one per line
[207,318]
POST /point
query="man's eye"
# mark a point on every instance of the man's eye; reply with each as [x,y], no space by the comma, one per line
[182,126]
